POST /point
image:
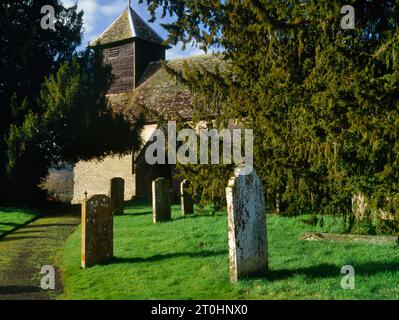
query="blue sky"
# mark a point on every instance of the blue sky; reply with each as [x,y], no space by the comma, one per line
[99,14]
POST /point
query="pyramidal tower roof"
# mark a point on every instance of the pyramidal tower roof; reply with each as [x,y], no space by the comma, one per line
[129,25]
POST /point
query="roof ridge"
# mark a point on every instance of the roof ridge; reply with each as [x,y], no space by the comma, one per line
[128,27]
[145,24]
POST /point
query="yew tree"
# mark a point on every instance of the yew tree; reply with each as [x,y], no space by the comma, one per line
[322,99]
[53,99]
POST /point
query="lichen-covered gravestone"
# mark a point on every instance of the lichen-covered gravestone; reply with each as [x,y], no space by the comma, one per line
[161,207]
[247,226]
[97,231]
[362,210]
[187,204]
[117,193]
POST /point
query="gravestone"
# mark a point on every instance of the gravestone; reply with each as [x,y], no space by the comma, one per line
[247,226]
[161,207]
[187,203]
[97,231]
[117,194]
[359,207]
[362,210]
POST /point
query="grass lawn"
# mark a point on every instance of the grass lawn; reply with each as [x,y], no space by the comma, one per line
[12,218]
[188,259]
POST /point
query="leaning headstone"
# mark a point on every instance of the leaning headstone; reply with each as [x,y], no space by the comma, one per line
[187,203]
[161,207]
[97,231]
[117,194]
[247,226]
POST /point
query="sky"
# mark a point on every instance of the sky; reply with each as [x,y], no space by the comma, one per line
[99,14]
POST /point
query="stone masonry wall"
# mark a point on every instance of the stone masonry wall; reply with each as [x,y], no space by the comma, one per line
[94,177]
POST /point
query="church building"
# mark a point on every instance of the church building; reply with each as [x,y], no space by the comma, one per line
[134,50]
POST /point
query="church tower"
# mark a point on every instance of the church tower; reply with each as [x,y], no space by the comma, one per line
[129,44]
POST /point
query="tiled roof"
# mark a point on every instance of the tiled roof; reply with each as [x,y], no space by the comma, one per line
[129,25]
[162,95]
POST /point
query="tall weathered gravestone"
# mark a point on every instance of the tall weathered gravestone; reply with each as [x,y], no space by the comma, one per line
[247,226]
[117,193]
[97,231]
[161,206]
[187,203]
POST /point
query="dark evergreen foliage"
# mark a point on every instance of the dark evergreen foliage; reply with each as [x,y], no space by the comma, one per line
[53,104]
[323,101]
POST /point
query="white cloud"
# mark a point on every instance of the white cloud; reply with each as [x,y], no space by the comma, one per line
[89,8]
[95,13]
[112,10]
[68,3]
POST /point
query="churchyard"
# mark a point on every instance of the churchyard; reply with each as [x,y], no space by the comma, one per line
[303,111]
[187,258]
[159,250]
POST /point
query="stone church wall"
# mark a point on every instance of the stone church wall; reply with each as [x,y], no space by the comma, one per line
[94,177]
[70,184]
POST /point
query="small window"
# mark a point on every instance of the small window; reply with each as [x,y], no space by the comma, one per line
[113,53]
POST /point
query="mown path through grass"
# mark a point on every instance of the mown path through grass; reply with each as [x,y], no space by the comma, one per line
[24,252]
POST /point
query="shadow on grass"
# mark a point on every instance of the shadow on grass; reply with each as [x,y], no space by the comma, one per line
[50,225]
[21,231]
[143,203]
[7,239]
[198,216]
[13,210]
[9,290]
[327,271]
[136,214]
[160,257]
[10,224]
